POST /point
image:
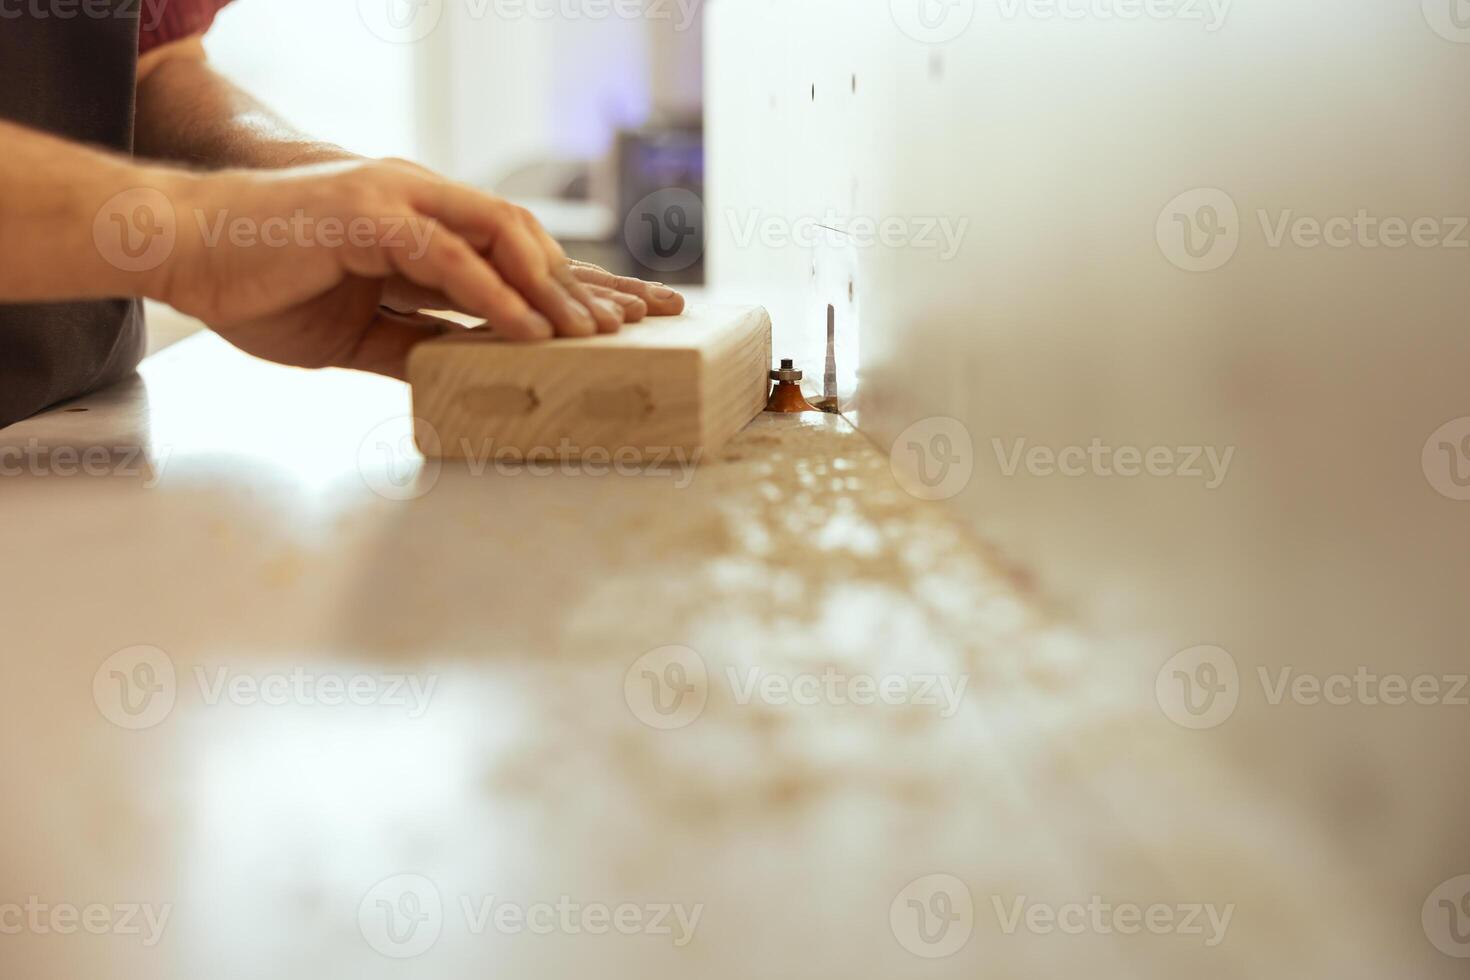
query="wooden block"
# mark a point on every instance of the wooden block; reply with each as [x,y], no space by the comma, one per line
[667,388]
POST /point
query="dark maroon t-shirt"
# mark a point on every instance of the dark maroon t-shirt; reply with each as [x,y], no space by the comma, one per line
[169,20]
[74,77]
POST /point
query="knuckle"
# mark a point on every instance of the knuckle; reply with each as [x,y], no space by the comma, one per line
[399,165]
[452,252]
[361,195]
[501,210]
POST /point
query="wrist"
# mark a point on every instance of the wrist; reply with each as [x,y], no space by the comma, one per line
[184,194]
[134,215]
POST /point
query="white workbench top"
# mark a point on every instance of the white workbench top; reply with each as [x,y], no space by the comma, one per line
[256,540]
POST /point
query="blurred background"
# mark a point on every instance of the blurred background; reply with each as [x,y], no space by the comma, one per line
[578,110]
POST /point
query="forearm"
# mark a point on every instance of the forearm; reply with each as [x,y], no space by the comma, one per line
[65,210]
[190,114]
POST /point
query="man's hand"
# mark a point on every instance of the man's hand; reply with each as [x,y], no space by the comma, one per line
[296,265]
[440,246]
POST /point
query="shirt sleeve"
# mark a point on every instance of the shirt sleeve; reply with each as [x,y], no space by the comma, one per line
[163,21]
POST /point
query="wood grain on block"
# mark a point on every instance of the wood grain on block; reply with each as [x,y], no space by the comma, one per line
[667,385]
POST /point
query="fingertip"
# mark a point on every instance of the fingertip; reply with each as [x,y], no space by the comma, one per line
[664,301]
